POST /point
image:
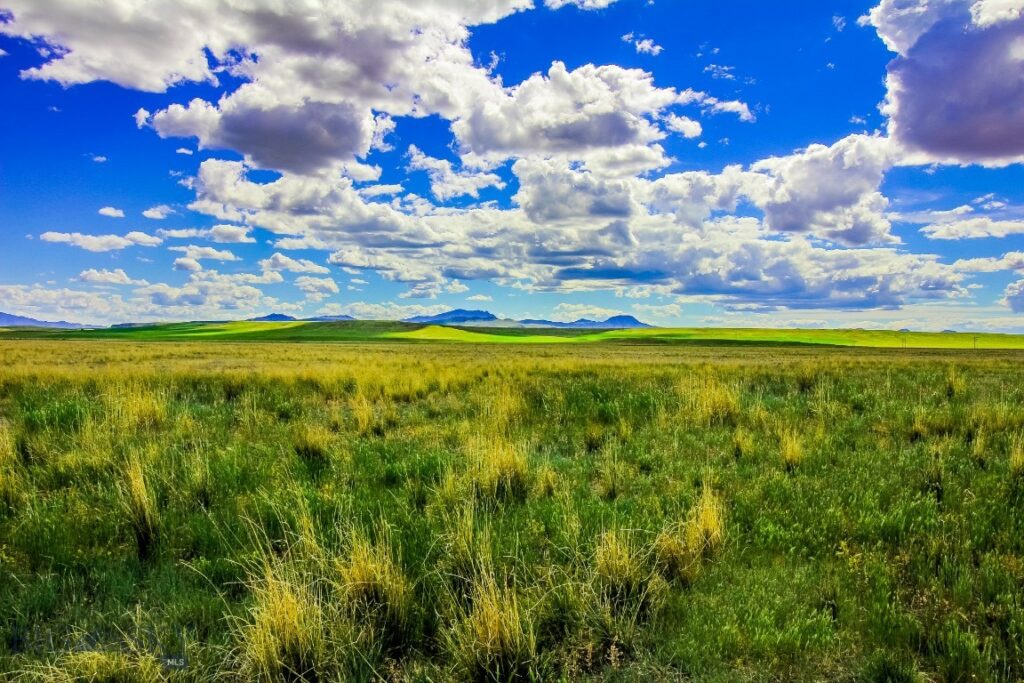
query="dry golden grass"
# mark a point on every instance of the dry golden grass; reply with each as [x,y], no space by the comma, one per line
[790,448]
[140,506]
[1017,456]
[707,399]
[375,590]
[285,636]
[494,640]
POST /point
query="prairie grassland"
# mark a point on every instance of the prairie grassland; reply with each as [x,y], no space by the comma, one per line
[437,512]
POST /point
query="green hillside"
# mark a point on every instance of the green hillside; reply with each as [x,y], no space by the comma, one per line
[363,331]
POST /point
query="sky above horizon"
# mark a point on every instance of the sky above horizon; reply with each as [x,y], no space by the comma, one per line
[710,162]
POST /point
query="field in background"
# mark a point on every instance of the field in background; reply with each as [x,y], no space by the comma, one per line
[356,331]
[444,511]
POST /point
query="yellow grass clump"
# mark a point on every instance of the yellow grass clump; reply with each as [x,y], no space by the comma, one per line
[705,529]
[791,448]
[501,472]
[374,588]
[362,413]
[140,505]
[546,482]
[495,639]
[312,442]
[101,665]
[285,637]
[742,443]
[680,548]
[708,400]
[1017,456]
[622,576]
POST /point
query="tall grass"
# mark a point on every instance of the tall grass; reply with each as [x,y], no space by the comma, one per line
[493,640]
[338,512]
[140,506]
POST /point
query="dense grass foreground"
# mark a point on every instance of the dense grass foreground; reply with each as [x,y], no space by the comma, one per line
[433,513]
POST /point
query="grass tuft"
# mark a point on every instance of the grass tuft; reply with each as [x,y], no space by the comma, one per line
[709,400]
[285,638]
[495,639]
[1017,456]
[791,448]
[705,530]
[375,590]
[501,473]
[140,504]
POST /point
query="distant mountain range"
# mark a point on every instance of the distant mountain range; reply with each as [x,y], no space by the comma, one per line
[8,320]
[461,316]
[458,316]
[282,318]
[616,322]
[453,317]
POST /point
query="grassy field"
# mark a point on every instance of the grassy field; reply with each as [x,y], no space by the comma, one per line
[362,331]
[496,512]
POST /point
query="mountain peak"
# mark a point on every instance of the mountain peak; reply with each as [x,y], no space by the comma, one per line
[273,318]
[452,317]
[10,320]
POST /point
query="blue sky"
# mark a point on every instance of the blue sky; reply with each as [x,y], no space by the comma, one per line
[691,163]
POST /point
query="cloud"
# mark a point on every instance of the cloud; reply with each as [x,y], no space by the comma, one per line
[187,264]
[954,90]
[111,212]
[1013,260]
[550,191]
[568,312]
[302,138]
[684,125]
[316,288]
[663,311]
[382,311]
[1014,296]
[184,150]
[101,243]
[445,182]
[720,72]
[281,262]
[973,228]
[831,192]
[99,158]
[224,234]
[479,297]
[643,45]
[195,253]
[158,213]
[108,277]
